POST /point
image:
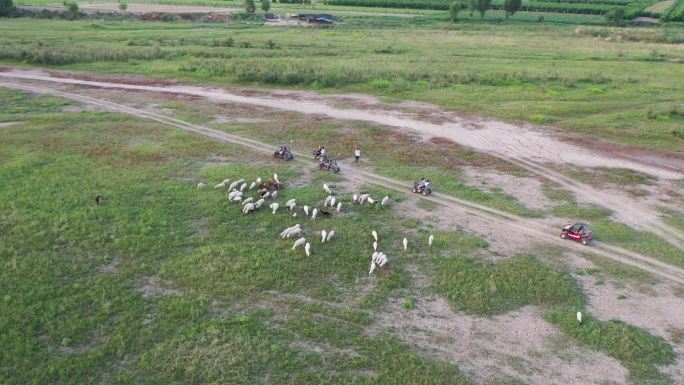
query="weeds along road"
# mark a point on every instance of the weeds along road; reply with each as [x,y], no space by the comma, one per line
[498,219]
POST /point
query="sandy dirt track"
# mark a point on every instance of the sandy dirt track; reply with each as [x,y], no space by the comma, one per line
[497,218]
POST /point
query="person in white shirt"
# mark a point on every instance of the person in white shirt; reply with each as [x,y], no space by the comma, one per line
[357,155]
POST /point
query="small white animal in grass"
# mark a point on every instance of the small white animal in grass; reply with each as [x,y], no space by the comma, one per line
[372,268]
[291,204]
[370,201]
[201,185]
[240,181]
[274,206]
[248,200]
[265,196]
[363,198]
[252,186]
[385,201]
[259,203]
[330,235]
[306,210]
[233,185]
[314,213]
[225,181]
[327,200]
[274,195]
[355,198]
[324,235]
[374,234]
[431,239]
[248,208]
[327,188]
[339,206]
[294,215]
[405,242]
[275,178]
[298,243]
[307,249]
[579,317]
[258,180]
[332,202]
[243,187]
[233,194]
[220,185]
[375,246]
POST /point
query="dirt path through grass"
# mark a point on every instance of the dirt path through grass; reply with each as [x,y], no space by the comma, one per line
[498,219]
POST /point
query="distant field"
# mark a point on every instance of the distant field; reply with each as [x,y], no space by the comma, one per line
[660,7]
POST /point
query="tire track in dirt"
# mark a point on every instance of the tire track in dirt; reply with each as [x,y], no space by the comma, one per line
[496,217]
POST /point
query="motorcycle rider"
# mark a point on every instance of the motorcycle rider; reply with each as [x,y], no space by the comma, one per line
[421,183]
[426,185]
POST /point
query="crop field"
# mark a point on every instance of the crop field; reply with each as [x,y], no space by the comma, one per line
[522,126]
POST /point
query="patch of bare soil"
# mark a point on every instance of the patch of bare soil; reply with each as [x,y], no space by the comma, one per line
[109,268]
[152,286]
[519,345]
[7,124]
[220,119]
[529,191]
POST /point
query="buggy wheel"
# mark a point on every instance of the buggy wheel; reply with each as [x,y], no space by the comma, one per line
[425,193]
[584,241]
[563,235]
[414,190]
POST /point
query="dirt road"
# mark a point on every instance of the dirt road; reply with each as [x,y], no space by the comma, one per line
[499,219]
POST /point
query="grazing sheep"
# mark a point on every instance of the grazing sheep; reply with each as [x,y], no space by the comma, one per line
[375,246]
[378,259]
[339,206]
[330,235]
[385,201]
[234,194]
[274,195]
[240,181]
[243,187]
[258,180]
[275,177]
[372,268]
[252,186]
[233,185]
[327,189]
[248,208]
[294,215]
[298,243]
[291,204]
[262,191]
[259,203]
[579,317]
[236,199]
[307,249]
[220,185]
[355,198]
[267,195]
[314,213]
[332,201]
[327,200]
[291,232]
[248,200]
[370,201]
[306,210]
[374,234]
[324,235]
[225,181]
[431,239]
[405,244]
[274,206]
[201,185]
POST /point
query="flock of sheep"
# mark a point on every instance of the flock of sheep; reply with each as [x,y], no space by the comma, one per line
[270,190]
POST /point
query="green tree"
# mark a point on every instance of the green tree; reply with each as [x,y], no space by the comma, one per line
[250,7]
[472,6]
[483,6]
[6,8]
[265,5]
[123,6]
[616,15]
[511,7]
[454,8]
[72,9]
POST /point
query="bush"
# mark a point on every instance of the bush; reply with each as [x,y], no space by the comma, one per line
[7,8]
[675,12]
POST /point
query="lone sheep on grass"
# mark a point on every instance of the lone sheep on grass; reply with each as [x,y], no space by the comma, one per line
[579,317]
[307,249]
[274,206]
[252,186]
[314,213]
[385,201]
[291,204]
[375,246]
[374,234]
[339,206]
[405,242]
[431,239]
[306,210]
[201,185]
[327,189]
[330,235]
[298,243]
[324,235]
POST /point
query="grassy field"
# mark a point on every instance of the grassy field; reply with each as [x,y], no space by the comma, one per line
[567,79]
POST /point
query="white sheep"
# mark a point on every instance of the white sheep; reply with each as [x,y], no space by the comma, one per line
[307,249]
[370,201]
[327,189]
[248,200]
[306,210]
[314,213]
[201,185]
[339,206]
[330,235]
[355,197]
[233,194]
[275,178]
[243,187]
[291,204]
[220,185]
[378,259]
[282,233]
[274,206]
[240,181]
[294,215]
[267,195]
[363,198]
[291,232]
[274,195]
[327,200]
[258,180]
[225,181]
[431,239]
[372,268]
[579,317]
[259,203]
[385,201]
[375,246]
[236,199]
[405,244]
[324,235]
[374,234]
[298,243]
[249,207]
[233,185]
[252,186]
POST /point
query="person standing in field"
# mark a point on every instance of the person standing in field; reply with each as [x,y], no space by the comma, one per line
[357,155]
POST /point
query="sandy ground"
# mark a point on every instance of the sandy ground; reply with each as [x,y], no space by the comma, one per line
[529,191]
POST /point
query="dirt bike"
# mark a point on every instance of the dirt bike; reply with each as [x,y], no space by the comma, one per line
[329,164]
[419,188]
[283,152]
